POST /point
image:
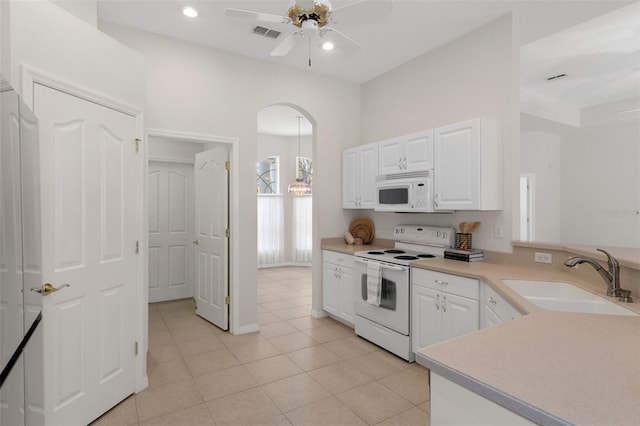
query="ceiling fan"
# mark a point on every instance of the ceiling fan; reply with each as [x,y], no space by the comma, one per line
[308,16]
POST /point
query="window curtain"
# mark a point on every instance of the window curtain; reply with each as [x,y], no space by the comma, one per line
[302,232]
[270,229]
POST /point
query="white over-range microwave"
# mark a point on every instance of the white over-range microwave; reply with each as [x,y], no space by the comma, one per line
[405,192]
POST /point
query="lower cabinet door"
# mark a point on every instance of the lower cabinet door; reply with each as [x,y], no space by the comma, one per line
[426,318]
[346,294]
[330,289]
[460,315]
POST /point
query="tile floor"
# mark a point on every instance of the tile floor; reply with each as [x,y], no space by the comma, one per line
[297,370]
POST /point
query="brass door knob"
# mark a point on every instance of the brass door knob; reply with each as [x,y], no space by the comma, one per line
[48,288]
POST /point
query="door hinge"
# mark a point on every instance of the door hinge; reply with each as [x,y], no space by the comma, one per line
[227,300]
[227,165]
[137,141]
[227,232]
[137,247]
[135,349]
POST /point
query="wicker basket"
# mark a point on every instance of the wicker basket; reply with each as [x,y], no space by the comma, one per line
[362,228]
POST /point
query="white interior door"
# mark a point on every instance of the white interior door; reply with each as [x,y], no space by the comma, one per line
[89,173]
[171,266]
[212,223]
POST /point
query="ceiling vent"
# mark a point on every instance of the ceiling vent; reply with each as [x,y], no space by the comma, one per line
[556,77]
[266,32]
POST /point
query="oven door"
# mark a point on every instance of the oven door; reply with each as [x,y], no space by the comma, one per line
[393,311]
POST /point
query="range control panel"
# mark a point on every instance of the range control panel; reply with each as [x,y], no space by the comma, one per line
[424,234]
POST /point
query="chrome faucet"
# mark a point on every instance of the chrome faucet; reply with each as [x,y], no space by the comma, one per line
[611,276]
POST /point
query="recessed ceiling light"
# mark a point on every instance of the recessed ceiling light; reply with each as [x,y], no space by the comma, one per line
[327,45]
[189,12]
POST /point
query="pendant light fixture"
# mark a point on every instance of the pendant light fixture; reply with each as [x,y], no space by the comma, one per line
[299,187]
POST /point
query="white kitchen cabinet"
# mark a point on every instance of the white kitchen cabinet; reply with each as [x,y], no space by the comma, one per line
[444,306]
[337,285]
[359,171]
[496,308]
[409,153]
[468,166]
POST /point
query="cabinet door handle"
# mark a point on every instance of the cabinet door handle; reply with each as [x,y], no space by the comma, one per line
[437,302]
[441,282]
[492,300]
[444,303]
[404,163]
[435,200]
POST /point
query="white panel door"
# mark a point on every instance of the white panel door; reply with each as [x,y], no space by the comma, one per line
[368,166]
[350,178]
[170,187]
[419,151]
[426,314]
[460,316]
[212,223]
[89,174]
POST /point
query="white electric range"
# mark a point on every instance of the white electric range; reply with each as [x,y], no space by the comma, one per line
[383,312]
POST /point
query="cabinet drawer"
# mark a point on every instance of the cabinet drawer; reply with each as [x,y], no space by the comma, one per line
[498,304]
[340,259]
[454,284]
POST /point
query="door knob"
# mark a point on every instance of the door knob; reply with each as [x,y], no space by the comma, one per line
[196,242]
[48,288]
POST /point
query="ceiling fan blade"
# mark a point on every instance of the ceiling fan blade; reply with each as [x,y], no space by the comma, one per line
[341,34]
[257,16]
[285,46]
[387,5]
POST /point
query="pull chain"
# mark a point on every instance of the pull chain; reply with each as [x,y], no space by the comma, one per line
[309,51]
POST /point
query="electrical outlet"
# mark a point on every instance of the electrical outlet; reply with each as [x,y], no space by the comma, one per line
[543,257]
[498,231]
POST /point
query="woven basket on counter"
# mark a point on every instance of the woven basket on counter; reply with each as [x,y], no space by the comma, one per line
[362,228]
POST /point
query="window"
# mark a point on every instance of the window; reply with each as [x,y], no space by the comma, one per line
[304,169]
[267,176]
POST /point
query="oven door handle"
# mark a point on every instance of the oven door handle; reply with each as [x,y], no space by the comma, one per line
[383,265]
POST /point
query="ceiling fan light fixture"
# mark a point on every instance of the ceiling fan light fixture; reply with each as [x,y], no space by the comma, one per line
[189,12]
[299,187]
[327,45]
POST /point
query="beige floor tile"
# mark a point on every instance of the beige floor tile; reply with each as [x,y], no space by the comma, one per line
[167,372]
[224,382]
[265,317]
[313,357]
[292,342]
[411,384]
[254,350]
[161,400]
[300,301]
[123,414]
[425,406]
[305,323]
[373,402]
[159,338]
[379,364]
[329,332]
[209,362]
[277,329]
[239,339]
[162,353]
[268,297]
[245,408]
[175,304]
[199,345]
[412,417]
[328,412]
[294,392]
[291,313]
[157,325]
[177,312]
[195,332]
[350,347]
[154,315]
[279,304]
[340,377]
[197,415]
[271,369]
[179,323]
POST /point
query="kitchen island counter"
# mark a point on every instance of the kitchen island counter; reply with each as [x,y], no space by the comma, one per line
[548,367]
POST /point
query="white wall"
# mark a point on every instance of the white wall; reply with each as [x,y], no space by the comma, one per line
[87,10]
[192,88]
[541,150]
[475,75]
[162,148]
[601,185]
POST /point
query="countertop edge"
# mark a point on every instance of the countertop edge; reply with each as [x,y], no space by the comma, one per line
[503,399]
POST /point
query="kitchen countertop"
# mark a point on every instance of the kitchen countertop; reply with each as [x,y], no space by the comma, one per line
[339,245]
[550,367]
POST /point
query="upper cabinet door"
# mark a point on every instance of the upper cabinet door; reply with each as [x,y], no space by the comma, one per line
[409,153]
[418,151]
[390,155]
[367,176]
[350,178]
[468,166]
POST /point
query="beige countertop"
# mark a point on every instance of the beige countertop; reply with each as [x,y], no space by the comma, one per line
[339,245]
[549,367]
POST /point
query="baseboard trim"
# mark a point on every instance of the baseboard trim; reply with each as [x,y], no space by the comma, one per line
[246,329]
[318,314]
